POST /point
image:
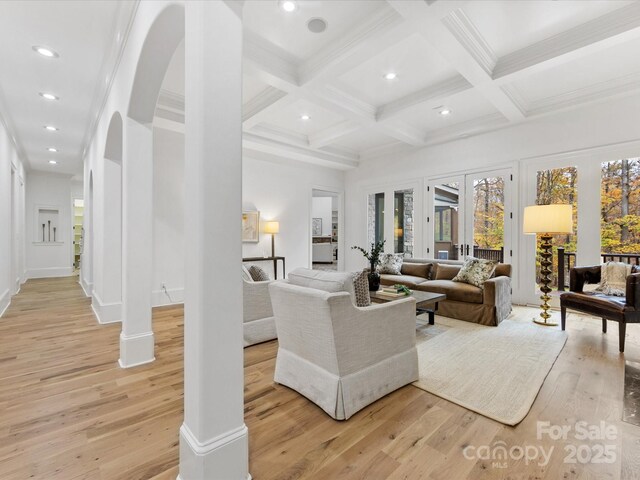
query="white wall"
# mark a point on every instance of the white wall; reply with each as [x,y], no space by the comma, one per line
[168,216]
[12,192]
[598,132]
[321,208]
[282,191]
[48,259]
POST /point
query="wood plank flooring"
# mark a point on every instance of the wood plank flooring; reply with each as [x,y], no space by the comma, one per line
[69,412]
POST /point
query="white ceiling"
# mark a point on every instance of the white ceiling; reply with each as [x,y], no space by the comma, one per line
[87,36]
[492,63]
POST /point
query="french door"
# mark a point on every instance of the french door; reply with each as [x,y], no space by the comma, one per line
[470,215]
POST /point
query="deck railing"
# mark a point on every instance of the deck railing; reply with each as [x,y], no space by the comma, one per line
[489,254]
[567,260]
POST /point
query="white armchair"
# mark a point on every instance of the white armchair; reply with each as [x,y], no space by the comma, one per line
[258,323]
[340,356]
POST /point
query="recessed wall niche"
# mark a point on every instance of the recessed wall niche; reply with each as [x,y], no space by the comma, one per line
[48,226]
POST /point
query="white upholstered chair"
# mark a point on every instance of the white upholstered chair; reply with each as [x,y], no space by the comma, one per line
[340,356]
[258,323]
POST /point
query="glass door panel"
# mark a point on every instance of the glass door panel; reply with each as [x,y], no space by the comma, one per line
[486,217]
[446,226]
[403,213]
[375,218]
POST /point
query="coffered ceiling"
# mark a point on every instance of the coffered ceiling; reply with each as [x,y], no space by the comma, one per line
[491,64]
[324,97]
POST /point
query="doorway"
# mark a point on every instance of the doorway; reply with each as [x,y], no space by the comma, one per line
[325,229]
[470,216]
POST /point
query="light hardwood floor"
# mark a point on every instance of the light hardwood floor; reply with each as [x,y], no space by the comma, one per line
[69,412]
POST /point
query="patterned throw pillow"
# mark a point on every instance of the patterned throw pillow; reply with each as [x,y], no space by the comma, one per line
[258,274]
[246,276]
[361,289]
[390,263]
[476,271]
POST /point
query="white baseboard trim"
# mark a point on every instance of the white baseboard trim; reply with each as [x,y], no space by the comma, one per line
[87,287]
[136,350]
[223,457]
[160,298]
[5,301]
[106,312]
[17,286]
[50,272]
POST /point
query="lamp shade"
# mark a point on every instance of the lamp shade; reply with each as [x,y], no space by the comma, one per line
[271,227]
[548,219]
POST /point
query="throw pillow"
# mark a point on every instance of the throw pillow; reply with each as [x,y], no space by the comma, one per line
[476,271]
[416,269]
[613,278]
[361,289]
[390,263]
[246,276]
[446,272]
[258,274]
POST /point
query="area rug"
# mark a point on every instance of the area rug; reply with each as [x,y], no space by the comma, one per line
[494,371]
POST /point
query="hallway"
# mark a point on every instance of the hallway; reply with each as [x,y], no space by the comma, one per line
[68,410]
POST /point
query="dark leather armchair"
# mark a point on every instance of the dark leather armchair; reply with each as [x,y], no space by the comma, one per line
[619,309]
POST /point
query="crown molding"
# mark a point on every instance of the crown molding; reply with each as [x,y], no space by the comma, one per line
[7,121]
[466,33]
[470,127]
[172,100]
[279,134]
[387,150]
[331,134]
[619,25]
[266,60]
[435,92]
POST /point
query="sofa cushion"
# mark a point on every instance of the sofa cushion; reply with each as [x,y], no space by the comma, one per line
[390,263]
[416,269]
[321,280]
[456,291]
[502,269]
[476,271]
[246,276]
[447,272]
[408,280]
[361,289]
[258,274]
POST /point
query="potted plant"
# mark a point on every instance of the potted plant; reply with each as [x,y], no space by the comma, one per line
[374,259]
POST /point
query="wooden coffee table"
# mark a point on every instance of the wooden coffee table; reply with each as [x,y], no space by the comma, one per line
[426,302]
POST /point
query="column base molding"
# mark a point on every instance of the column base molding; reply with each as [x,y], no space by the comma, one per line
[223,457]
[136,349]
[5,301]
[106,312]
[87,287]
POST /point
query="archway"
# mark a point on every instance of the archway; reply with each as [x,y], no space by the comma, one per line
[107,289]
[213,437]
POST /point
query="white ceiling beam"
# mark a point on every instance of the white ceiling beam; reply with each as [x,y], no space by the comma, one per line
[433,94]
[451,33]
[331,134]
[259,108]
[616,27]
[295,152]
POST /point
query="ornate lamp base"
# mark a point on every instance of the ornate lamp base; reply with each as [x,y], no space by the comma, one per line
[545,272]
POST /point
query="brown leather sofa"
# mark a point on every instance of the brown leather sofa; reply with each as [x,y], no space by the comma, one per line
[619,309]
[487,306]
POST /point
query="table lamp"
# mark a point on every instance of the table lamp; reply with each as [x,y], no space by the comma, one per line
[272,227]
[547,220]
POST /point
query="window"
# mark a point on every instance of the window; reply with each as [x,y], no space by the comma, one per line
[620,208]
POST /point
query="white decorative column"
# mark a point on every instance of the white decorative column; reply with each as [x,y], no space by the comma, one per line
[136,338]
[213,437]
[107,227]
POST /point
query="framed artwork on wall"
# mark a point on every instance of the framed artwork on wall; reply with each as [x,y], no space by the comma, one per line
[251,226]
[316,227]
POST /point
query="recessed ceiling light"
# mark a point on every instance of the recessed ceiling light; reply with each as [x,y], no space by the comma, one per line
[45,52]
[305,117]
[288,6]
[391,76]
[51,149]
[445,112]
[51,128]
[49,96]
[53,162]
